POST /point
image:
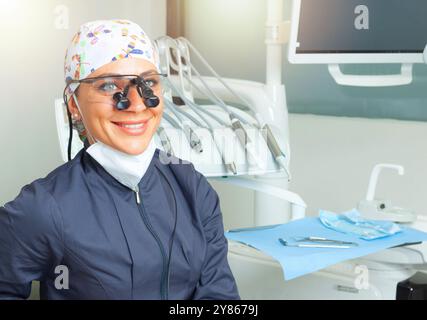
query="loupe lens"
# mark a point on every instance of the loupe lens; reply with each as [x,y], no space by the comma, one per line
[152,101]
[122,102]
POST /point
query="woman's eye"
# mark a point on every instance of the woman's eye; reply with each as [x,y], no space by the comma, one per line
[151,83]
[108,86]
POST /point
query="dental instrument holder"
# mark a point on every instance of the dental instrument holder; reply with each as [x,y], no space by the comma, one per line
[169,61]
[377,209]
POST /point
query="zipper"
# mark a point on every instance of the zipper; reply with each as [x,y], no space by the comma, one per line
[156,237]
[138,199]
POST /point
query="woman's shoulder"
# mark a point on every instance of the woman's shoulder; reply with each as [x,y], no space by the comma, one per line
[36,205]
[57,178]
[63,172]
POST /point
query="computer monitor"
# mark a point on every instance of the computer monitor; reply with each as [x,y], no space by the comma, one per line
[358,31]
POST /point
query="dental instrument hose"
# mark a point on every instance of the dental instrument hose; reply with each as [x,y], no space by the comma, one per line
[228,161]
[193,139]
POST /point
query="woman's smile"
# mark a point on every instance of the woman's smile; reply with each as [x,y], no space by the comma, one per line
[132,128]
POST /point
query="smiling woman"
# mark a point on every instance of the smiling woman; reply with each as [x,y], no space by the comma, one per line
[123,219]
[100,50]
[128,130]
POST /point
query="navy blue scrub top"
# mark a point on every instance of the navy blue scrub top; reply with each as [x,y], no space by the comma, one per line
[80,217]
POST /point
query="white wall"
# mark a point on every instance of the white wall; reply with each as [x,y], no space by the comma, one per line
[332,159]
[31,62]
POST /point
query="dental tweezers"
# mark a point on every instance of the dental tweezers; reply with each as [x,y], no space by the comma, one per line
[318,245]
[322,240]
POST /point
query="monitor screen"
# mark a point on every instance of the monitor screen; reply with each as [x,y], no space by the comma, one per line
[342,29]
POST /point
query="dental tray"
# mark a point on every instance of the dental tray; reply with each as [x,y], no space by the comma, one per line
[296,262]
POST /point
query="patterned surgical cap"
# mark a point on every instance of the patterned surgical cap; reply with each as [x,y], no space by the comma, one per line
[100,42]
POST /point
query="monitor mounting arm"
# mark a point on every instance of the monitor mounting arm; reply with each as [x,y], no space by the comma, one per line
[404,78]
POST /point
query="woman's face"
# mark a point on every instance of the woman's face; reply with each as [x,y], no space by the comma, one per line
[129,130]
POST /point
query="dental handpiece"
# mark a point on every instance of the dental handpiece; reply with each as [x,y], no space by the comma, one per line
[190,135]
[247,144]
[164,139]
[193,139]
[226,158]
[274,147]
